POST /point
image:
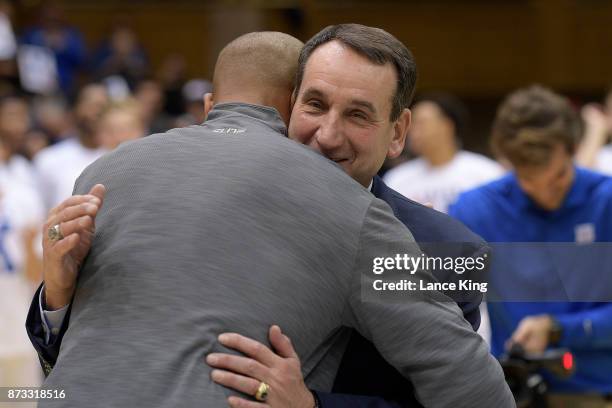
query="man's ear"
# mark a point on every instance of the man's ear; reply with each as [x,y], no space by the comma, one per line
[208,104]
[400,130]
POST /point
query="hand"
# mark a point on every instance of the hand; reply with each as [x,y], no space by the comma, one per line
[595,120]
[533,333]
[62,259]
[282,371]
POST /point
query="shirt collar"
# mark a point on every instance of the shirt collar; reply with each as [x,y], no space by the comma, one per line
[264,114]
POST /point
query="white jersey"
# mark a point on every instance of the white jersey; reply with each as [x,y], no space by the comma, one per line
[59,166]
[19,170]
[20,210]
[439,186]
[603,162]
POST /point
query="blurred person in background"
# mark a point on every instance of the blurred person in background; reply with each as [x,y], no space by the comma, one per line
[546,199]
[173,76]
[64,41]
[121,55]
[193,95]
[20,270]
[442,170]
[594,151]
[14,125]
[35,141]
[120,122]
[8,49]
[150,96]
[52,116]
[58,166]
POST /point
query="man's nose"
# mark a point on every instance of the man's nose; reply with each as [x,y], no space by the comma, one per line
[330,136]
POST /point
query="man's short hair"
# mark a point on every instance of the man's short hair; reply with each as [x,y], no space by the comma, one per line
[530,123]
[379,47]
[263,60]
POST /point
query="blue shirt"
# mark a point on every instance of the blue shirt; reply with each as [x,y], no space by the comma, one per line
[501,212]
[69,57]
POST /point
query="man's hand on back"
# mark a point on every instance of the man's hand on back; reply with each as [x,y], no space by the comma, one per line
[63,258]
[282,371]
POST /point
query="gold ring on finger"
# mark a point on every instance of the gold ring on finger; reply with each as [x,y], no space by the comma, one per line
[262,392]
[55,233]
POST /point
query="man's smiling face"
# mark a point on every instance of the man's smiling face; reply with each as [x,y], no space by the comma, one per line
[343,110]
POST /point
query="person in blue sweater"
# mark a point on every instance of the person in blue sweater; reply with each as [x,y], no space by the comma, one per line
[547,199]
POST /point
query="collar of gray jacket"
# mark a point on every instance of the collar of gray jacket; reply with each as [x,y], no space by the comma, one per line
[265,114]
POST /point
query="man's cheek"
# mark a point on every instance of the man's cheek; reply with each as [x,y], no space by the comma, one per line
[302,131]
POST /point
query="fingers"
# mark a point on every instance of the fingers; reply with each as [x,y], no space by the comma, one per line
[67,244]
[98,191]
[250,347]
[238,364]
[237,382]
[73,213]
[237,402]
[281,343]
[78,225]
[75,200]
[521,335]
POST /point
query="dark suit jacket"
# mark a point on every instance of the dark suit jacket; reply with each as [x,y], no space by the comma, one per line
[363,372]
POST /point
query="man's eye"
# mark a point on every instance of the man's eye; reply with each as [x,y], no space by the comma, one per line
[359,115]
[315,104]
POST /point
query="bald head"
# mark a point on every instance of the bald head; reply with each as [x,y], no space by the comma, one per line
[257,68]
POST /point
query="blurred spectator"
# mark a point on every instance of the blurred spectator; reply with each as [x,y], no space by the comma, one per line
[58,166]
[594,152]
[65,42]
[442,170]
[150,97]
[21,215]
[35,141]
[173,74]
[193,96]
[8,46]
[51,116]
[14,125]
[119,123]
[546,199]
[117,88]
[121,55]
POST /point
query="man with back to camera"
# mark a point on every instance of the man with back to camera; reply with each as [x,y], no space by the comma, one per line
[547,199]
[359,165]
